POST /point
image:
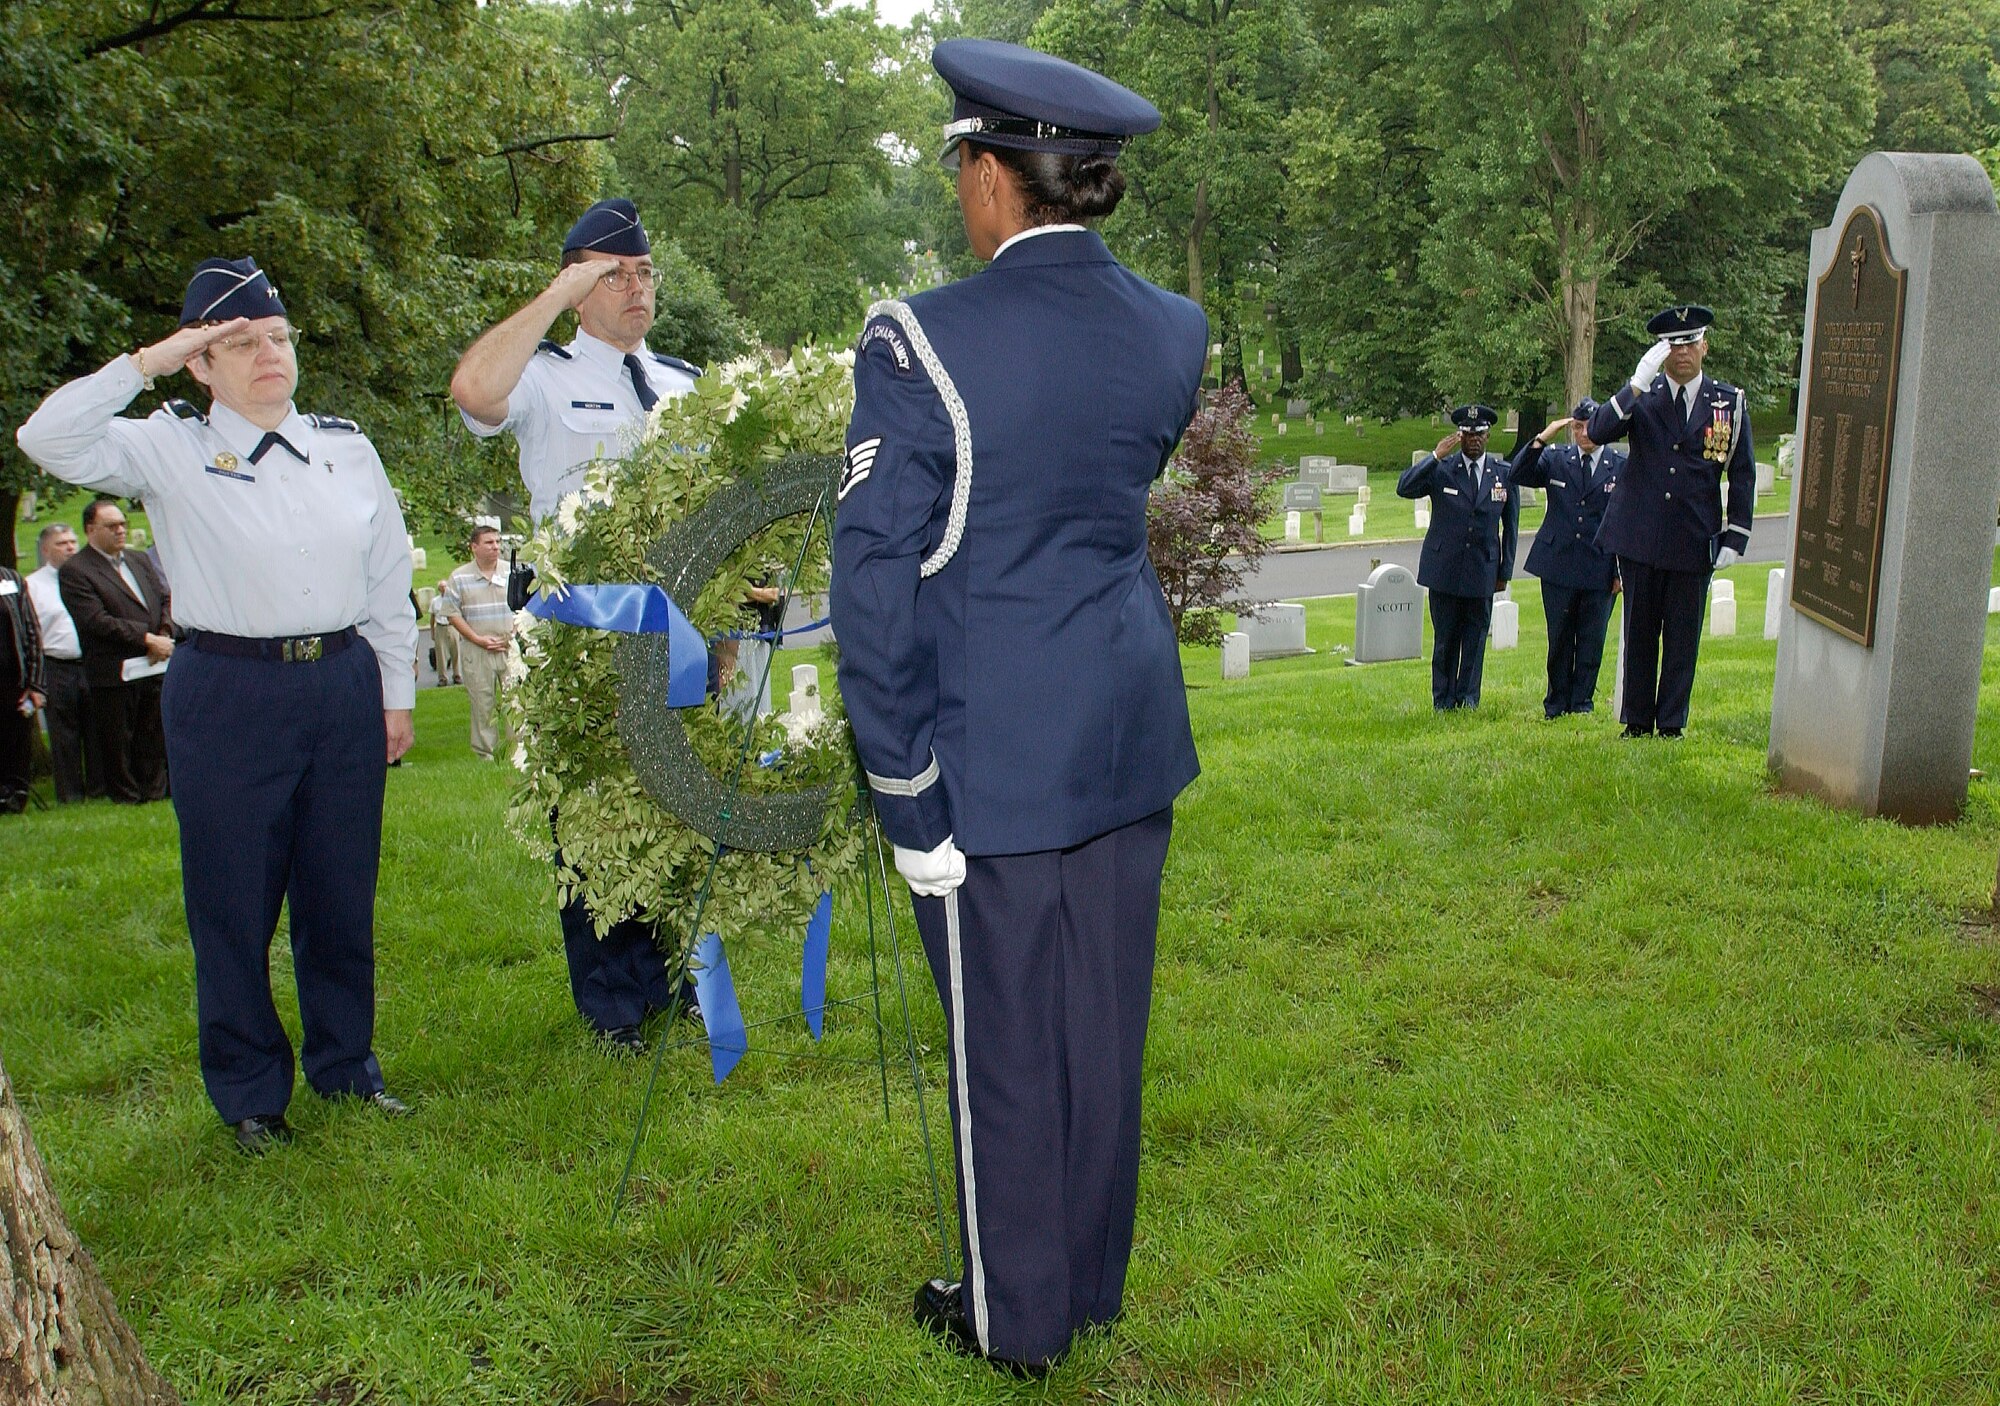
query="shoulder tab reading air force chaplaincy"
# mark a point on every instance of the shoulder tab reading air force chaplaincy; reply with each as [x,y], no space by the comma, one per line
[886,331]
[181,410]
[677,363]
[332,422]
[553,349]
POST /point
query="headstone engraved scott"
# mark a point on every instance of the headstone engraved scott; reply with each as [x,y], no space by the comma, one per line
[1388,616]
[1877,678]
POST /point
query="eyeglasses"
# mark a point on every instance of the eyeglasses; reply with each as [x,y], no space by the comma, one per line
[283,338]
[622,279]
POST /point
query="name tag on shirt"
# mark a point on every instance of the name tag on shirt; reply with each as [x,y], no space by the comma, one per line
[1560,483]
[1452,491]
[8,588]
[591,405]
[236,474]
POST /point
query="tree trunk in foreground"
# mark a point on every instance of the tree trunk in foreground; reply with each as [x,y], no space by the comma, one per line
[62,1342]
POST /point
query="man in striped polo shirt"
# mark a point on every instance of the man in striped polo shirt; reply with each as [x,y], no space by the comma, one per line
[475,602]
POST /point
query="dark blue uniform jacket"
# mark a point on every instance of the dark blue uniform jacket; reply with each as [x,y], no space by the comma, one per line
[1566,551]
[1667,510]
[1028,695]
[1474,523]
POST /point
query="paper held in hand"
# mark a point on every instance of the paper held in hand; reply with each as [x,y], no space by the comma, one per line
[140,667]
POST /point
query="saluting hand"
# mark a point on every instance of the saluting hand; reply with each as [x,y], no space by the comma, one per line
[170,354]
[580,280]
[1555,427]
[1448,445]
[1649,366]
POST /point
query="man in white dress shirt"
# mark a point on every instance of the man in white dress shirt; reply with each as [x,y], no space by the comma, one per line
[67,713]
[294,690]
[567,407]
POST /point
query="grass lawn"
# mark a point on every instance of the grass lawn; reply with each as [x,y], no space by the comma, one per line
[1492,1061]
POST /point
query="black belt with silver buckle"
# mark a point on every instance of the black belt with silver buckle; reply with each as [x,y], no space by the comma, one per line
[300,649]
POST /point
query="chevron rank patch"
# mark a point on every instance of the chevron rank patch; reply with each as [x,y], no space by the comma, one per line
[860,461]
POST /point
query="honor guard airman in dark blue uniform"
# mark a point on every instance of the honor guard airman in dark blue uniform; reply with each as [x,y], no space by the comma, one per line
[1013,681]
[1579,578]
[1468,551]
[567,408]
[1666,522]
[292,693]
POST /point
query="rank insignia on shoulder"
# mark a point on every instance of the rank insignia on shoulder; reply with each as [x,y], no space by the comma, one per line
[552,348]
[332,422]
[688,366]
[181,410]
[860,463]
[892,335]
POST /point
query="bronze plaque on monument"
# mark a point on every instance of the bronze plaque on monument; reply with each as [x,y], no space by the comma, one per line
[1850,414]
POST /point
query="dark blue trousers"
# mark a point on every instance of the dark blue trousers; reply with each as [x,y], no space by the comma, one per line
[278,774]
[1044,964]
[1576,646]
[1663,612]
[617,978]
[1458,648]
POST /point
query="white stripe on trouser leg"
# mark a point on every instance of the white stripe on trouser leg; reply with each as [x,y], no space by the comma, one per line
[975,1272]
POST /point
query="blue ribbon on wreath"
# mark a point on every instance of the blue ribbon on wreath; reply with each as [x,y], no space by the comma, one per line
[636,610]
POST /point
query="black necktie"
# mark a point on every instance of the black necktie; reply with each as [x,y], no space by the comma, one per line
[274,438]
[648,397]
[1681,399]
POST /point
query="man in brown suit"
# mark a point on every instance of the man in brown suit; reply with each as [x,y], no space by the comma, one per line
[122,612]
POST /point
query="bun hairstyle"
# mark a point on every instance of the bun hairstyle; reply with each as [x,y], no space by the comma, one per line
[1062,189]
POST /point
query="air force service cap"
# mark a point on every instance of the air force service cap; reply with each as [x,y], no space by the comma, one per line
[1005,95]
[1687,323]
[609,227]
[1475,419]
[1585,408]
[226,288]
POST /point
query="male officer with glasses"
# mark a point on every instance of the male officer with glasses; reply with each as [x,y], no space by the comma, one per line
[1666,522]
[567,407]
[292,693]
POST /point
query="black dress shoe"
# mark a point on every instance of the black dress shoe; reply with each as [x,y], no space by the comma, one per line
[1634,730]
[940,1307]
[625,1040]
[1670,732]
[389,1104]
[258,1133]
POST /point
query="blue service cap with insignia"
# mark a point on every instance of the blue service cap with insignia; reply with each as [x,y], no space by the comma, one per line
[1585,408]
[1005,95]
[1475,419]
[226,288]
[609,227]
[1687,323]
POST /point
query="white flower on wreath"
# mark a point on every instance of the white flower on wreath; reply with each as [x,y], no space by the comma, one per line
[517,663]
[520,757]
[566,512]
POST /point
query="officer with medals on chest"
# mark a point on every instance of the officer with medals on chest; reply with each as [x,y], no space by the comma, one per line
[292,693]
[1666,523]
[1579,578]
[1011,674]
[1468,554]
[567,407]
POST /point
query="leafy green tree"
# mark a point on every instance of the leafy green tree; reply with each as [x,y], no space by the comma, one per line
[762,133]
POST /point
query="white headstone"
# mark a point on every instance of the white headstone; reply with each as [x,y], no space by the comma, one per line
[1275,631]
[1722,589]
[1319,427]
[1722,616]
[1993,601]
[1236,655]
[1774,603]
[1528,498]
[1283,426]
[1388,616]
[1357,522]
[1417,456]
[419,559]
[1506,624]
[1292,526]
[1260,356]
[1276,418]
[1423,516]
[1767,478]
[1363,495]
[805,688]
[136,537]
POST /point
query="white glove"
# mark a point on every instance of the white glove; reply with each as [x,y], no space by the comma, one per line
[934,873]
[1725,558]
[1649,367]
